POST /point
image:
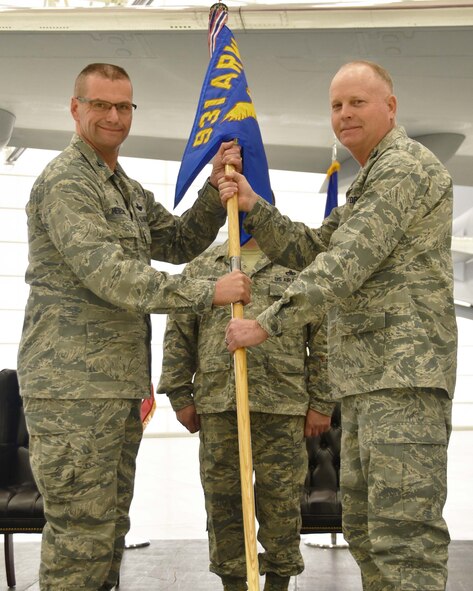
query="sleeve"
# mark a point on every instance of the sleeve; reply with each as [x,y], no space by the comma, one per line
[179,357]
[291,244]
[179,360]
[78,228]
[358,247]
[318,386]
[178,239]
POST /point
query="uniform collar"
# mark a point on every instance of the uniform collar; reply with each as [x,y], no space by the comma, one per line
[97,163]
[356,188]
[221,253]
[390,138]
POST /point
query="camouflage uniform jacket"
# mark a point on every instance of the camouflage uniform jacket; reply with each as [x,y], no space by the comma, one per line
[282,377]
[92,233]
[384,275]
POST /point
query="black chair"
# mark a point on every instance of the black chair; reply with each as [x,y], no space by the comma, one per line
[21,505]
[321,506]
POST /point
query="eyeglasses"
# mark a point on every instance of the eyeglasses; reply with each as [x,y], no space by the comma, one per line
[100,106]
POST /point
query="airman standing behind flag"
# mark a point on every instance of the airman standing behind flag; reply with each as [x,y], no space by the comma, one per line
[226,112]
[380,266]
[289,397]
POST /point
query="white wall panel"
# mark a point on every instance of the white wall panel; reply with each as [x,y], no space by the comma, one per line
[11,322]
[15,190]
[13,226]
[13,258]
[13,293]
[8,355]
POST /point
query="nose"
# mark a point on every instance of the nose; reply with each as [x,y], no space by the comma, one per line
[112,113]
[345,111]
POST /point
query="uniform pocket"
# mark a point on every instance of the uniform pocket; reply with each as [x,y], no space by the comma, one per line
[117,350]
[127,233]
[407,472]
[276,290]
[215,374]
[122,227]
[70,468]
[89,548]
[358,345]
[287,364]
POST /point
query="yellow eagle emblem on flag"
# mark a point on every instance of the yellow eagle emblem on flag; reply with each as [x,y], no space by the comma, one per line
[239,111]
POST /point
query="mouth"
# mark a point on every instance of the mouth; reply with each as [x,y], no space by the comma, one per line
[112,129]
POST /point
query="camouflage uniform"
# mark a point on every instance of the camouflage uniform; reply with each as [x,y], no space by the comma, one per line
[283,381]
[384,278]
[84,358]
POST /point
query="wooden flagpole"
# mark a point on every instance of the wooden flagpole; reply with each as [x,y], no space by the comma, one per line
[217,18]
[243,411]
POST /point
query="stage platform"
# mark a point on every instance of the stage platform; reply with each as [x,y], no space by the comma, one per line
[182,565]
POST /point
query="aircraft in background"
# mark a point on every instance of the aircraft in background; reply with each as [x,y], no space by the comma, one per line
[290,53]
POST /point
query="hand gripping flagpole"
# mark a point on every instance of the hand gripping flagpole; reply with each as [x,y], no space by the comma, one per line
[217,19]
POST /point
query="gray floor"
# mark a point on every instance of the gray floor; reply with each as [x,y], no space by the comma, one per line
[181,565]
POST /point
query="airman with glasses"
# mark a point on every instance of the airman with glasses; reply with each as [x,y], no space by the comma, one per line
[103,122]
[101,106]
[84,361]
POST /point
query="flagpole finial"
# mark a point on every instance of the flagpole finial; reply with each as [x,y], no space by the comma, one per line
[218,7]
[218,16]
[334,150]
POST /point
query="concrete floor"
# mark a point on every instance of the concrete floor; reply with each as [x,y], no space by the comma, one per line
[181,565]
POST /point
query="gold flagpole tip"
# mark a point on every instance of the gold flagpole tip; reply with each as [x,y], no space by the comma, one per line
[217,7]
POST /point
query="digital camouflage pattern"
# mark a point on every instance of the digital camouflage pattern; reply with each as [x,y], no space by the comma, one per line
[84,358]
[92,233]
[383,273]
[380,267]
[280,465]
[285,374]
[77,447]
[396,441]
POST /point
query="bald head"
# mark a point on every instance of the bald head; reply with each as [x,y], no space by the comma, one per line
[363,107]
[378,71]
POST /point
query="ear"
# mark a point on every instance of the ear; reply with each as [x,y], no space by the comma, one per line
[392,106]
[74,109]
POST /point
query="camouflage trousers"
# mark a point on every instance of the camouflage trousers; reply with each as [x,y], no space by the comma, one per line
[280,467]
[83,458]
[394,487]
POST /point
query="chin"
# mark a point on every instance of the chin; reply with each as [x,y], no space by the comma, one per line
[349,145]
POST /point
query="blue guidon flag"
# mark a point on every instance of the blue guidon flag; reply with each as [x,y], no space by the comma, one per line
[332,190]
[225,112]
